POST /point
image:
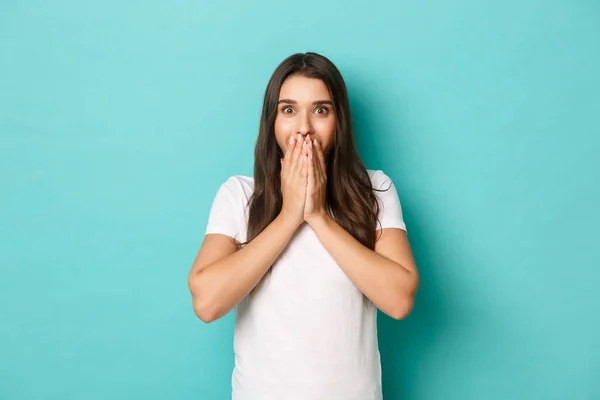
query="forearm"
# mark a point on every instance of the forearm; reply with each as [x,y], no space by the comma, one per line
[389,285]
[222,285]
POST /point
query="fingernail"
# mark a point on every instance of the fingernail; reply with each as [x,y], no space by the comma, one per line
[291,139]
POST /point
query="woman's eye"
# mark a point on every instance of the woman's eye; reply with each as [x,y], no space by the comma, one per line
[287,110]
[322,110]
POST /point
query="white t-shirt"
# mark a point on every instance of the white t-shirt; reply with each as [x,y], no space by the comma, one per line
[306,332]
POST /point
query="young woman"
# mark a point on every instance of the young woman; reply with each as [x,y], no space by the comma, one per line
[306,250]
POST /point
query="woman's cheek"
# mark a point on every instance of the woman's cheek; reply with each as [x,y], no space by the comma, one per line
[325,134]
[283,127]
[282,133]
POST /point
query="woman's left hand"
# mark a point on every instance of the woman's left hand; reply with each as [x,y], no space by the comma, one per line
[316,183]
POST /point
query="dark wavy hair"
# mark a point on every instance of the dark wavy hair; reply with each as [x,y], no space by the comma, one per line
[350,198]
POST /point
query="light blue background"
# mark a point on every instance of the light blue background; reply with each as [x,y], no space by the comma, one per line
[119,120]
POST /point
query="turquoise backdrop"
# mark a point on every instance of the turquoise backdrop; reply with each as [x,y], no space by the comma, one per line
[119,121]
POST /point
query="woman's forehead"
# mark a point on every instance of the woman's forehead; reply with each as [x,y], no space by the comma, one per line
[303,89]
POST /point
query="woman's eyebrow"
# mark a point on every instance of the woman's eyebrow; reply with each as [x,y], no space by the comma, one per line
[318,102]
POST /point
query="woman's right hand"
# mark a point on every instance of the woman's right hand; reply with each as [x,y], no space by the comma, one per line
[294,172]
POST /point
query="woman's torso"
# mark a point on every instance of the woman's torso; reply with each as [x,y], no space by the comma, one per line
[306,332]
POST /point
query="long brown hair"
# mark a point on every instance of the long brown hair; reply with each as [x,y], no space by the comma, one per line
[350,196]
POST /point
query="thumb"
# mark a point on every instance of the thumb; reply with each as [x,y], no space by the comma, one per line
[310,172]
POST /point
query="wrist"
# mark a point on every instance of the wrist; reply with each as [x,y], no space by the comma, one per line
[318,218]
[288,222]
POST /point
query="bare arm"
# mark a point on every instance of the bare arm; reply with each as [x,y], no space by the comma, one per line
[387,276]
[221,276]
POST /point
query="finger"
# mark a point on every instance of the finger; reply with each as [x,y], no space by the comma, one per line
[305,166]
[298,151]
[298,148]
[310,181]
[315,159]
[281,176]
[306,148]
[321,157]
[290,147]
[289,151]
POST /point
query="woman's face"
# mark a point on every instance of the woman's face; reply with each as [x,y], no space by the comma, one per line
[305,108]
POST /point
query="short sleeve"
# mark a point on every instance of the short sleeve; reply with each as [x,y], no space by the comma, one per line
[390,209]
[227,210]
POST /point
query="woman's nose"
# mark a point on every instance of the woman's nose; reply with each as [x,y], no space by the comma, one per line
[304,126]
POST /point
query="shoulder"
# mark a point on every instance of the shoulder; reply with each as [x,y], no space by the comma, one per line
[239,185]
[240,182]
[390,207]
[379,179]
